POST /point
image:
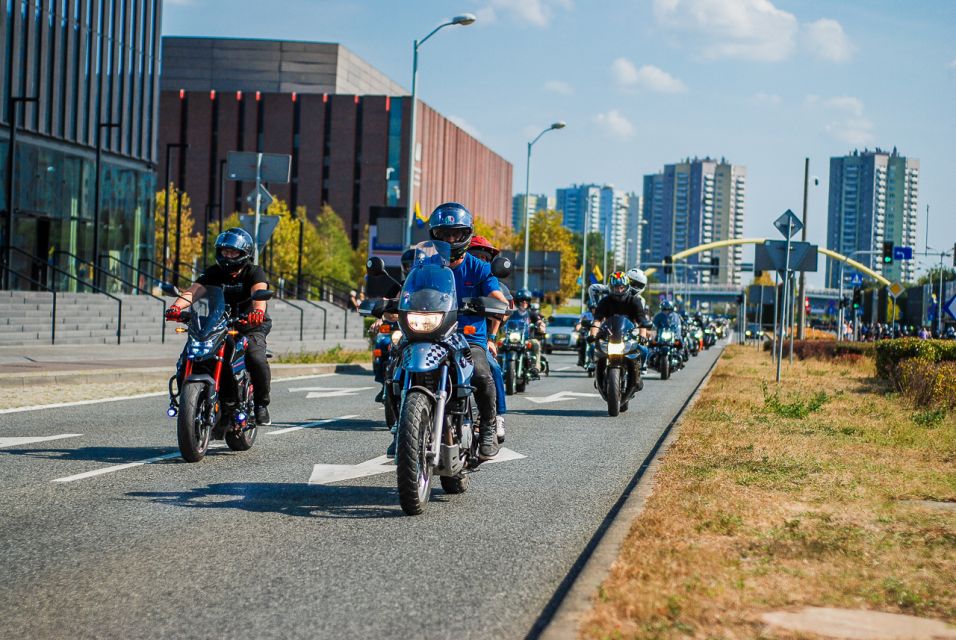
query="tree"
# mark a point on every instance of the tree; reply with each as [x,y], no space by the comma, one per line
[932,276]
[549,234]
[190,247]
[500,235]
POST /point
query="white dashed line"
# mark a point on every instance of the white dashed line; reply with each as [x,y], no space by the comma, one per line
[128,465]
[309,425]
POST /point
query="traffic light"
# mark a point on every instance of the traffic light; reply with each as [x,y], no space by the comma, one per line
[954,254]
[668,269]
[887,253]
[857,298]
[845,302]
[715,267]
[740,298]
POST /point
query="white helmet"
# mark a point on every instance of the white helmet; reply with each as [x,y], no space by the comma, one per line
[637,279]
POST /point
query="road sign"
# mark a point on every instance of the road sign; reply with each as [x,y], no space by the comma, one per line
[902,253]
[771,256]
[950,307]
[267,225]
[788,224]
[856,280]
[896,289]
[242,165]
[267,198]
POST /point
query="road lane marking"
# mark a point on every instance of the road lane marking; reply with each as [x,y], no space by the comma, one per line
[329,392]
[128,465]
[570,366]
[562,396]
[13,442]
[310,425]
[332,473]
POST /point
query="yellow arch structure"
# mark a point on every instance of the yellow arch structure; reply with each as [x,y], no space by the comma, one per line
[680,255]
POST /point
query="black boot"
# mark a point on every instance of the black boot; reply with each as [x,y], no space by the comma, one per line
[488,448]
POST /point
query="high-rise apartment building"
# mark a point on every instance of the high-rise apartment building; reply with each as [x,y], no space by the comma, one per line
[633,235]
[872,200]
[520,206]
[603,209]
[691,203]
[580,203]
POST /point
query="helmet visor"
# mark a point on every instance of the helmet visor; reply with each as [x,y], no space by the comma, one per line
[618,288]
[451,235]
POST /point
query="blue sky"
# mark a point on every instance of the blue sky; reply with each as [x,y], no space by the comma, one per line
[642,83]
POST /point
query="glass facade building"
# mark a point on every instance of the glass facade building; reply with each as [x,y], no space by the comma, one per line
[92,68]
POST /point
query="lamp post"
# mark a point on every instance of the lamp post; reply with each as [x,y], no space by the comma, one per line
[96,196]
[527,197]
[12,108]
[169,145]
[464,20]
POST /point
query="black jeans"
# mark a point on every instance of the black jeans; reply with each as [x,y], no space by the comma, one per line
[484,383]
[258,365]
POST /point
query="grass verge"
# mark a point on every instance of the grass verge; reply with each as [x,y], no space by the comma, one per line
[335,355]
[771,498]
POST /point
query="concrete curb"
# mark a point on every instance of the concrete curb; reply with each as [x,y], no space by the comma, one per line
[570,608]
[153,374]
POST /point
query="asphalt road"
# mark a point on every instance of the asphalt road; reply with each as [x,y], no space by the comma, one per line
[241,545]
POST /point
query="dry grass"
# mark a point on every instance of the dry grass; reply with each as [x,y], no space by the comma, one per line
[772,499]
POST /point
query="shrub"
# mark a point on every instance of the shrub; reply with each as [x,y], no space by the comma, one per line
[889,354]
[827,349]
[927,383]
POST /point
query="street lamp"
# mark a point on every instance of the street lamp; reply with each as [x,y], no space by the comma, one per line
[12,109]
[527,196]
[96,197]
[464,20]
[169,145]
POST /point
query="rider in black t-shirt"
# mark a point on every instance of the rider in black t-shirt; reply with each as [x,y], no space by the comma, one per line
[618,302]
[238,278]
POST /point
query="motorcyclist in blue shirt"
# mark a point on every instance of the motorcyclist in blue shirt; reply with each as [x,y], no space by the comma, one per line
[667,318]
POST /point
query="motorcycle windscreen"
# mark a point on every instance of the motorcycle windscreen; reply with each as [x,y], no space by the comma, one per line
[432,252]
[429,287]
[208,313]
[619,326]
[516,325]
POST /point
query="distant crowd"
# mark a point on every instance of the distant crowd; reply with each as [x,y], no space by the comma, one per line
[887,331]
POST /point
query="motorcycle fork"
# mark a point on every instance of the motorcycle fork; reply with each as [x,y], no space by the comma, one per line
[439,418]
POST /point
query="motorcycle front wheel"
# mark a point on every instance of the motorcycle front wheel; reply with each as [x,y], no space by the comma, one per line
[191,428]
[665,368]
[612,385]
[414,473]
[510,378]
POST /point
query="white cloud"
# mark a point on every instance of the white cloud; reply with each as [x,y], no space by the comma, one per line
[846,119]
[614,124]
[649,77]
[768,99]
[559,87]
[465,126]
[826,40]
[534,12]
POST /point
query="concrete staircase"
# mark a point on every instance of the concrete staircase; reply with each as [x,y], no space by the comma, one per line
[91,318]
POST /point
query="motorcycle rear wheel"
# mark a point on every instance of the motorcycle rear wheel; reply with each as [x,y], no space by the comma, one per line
[612,384]
[414,473]
[191,430]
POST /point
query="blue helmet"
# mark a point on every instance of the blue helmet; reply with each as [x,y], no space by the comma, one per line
[239,240]
[454,224]
[667,305]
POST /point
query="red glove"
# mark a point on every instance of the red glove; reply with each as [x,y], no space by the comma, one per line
[174,314]
[255,317]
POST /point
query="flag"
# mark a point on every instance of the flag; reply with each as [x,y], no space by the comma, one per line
[597,273]
[420,220]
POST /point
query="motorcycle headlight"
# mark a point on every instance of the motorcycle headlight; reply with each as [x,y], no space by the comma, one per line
[424,322]
[200,349]
[666,336]
[396,337]
[514,336]
[615,348]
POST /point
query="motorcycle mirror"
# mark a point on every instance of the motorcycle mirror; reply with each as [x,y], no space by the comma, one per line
[375,266]
[169,289]
[262,295]
[501,267]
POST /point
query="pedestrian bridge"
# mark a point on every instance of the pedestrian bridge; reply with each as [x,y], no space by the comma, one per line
[717,293]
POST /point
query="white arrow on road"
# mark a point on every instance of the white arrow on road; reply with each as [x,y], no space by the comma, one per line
[562,396]
[13,442]
[332,473]
[329,392]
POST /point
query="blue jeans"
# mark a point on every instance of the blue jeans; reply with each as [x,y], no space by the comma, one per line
[499,383]
[645,353]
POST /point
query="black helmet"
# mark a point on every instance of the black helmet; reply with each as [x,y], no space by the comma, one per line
[454,224]
[237,239]
[407,259]
[667,305]
[522,295]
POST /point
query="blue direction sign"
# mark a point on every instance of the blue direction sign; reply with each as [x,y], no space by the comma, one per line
[950,307]
[902,253]
[856,280]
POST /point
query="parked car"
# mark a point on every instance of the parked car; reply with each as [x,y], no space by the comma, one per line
[561,333]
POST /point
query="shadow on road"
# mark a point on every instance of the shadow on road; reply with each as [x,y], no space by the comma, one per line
[302,500]
[581,413]
[112,455]
[352,424]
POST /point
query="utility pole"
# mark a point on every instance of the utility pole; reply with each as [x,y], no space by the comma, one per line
[803,237]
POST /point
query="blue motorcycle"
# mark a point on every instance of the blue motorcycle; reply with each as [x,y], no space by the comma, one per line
[430,386]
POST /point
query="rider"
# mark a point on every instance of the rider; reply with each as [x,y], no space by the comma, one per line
[454,224]
[618,302]
[638,282]
[486,252]
[239,278]
[666,318]
[533,317]
[595,292]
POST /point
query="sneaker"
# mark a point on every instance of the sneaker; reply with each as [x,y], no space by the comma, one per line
[262,416]
[489,444]
[390,452]
[381,395]
[500,428]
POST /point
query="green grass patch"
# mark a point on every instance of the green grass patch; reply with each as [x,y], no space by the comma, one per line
[798,407]
[335,355]
[929,418]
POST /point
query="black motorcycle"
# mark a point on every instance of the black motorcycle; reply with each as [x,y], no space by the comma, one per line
[195,399]
[514,355]
[618,363]
[430,387]
[710,336]
[666,353]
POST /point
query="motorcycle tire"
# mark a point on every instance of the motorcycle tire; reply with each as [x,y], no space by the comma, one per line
[665,368]
[413,472]
[244,439]
[454,484]
[510,378]
[612,382]
[521,385]
[389,413]
[590,373]
[191,430]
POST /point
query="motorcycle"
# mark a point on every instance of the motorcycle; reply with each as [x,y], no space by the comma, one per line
[691,339]
[618,363]
[387,339]
[430,388]
[666,355]
[587,346]
[514,355]
[709,336]
[194,392]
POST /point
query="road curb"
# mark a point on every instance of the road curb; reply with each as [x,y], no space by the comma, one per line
[561,617]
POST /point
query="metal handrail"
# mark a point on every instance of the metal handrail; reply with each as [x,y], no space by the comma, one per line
[51,290]
[141,290]
[164,270]
[301,316]
[36,260]
[96,269]
[345,321]
[325,313]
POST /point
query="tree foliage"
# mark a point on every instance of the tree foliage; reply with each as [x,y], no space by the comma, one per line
[932,276]
[547,233]
[182,225]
